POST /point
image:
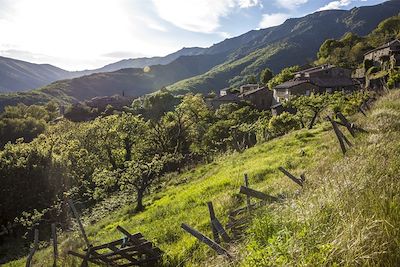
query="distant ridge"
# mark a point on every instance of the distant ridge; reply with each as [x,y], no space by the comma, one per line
[228,63]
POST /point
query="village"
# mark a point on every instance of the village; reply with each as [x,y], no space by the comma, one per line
[317,80]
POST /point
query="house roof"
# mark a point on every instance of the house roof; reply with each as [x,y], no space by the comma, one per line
[250,92]
[333,82]
[290,84]
[249,85]
[383,46]
[314,69]
[228,98]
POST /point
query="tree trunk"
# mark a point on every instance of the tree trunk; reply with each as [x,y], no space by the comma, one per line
[313,120]
[139,200]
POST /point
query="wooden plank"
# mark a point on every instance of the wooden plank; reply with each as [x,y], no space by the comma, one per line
[221,230]
[34,248]
[346,123]
[362,111]
[338,135]
[124,254]
[139,237]
[220,250]
[138,248]
[291,176]
[133,239]
[55,249]
[257,194]
[212,217]
[76,215]
[246,184]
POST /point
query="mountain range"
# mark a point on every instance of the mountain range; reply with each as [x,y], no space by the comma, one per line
[228,63]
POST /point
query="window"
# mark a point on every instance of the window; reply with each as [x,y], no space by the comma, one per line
[307,92]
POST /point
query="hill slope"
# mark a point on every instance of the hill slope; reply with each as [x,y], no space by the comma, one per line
[133,82]
[17,75]
[348,212]
[295,42]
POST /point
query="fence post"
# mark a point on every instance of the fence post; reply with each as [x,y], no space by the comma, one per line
[339,134]
[55,249]
[212,217]
[34,248]
[246,184]
[76,215]
[220,250]
[346,123]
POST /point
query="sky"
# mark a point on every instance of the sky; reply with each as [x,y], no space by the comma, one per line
[88,34]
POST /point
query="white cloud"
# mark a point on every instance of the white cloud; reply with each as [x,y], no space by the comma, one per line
[199,15]
[249,3]
[269,20]
[76,34]
[335,5]
[291,4]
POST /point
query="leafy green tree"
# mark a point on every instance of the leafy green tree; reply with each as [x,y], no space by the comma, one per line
[265,76]
[285,75]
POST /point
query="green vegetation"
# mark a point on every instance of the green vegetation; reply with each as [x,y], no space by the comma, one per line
[348,213]
[285,75]
[350,49]
[124,154]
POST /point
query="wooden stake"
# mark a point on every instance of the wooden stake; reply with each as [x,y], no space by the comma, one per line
[212,217]
[246,184]
[34,248]
[221,230]
[256,194]
[338,135]
[346,123]
[291,176]
[216,226]
[220,250]
[76,215]
[55,249]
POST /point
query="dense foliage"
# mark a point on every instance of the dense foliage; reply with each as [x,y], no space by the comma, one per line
[350,49]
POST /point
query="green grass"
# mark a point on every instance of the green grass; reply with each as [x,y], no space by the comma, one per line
[348,212]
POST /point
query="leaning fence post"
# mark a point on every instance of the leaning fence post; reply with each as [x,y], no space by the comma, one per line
[34,248]
[292,177]
[246,184]
[212,217]
[76,215]
[55,249]
[220,250]
[339,135]
[346,123]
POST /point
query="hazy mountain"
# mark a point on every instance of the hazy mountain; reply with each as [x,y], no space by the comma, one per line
[143,62]
[17,75]
[227,63]
[133,82]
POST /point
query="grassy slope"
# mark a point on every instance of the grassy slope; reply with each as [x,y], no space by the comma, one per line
[346,212]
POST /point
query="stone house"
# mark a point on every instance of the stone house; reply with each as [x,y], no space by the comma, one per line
[320,79]
[386,56]
[261,97]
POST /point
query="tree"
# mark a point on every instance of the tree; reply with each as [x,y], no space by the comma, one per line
[251,79]
[285,75]
[309,107]
[142,173]
[265,76]
[283,123]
